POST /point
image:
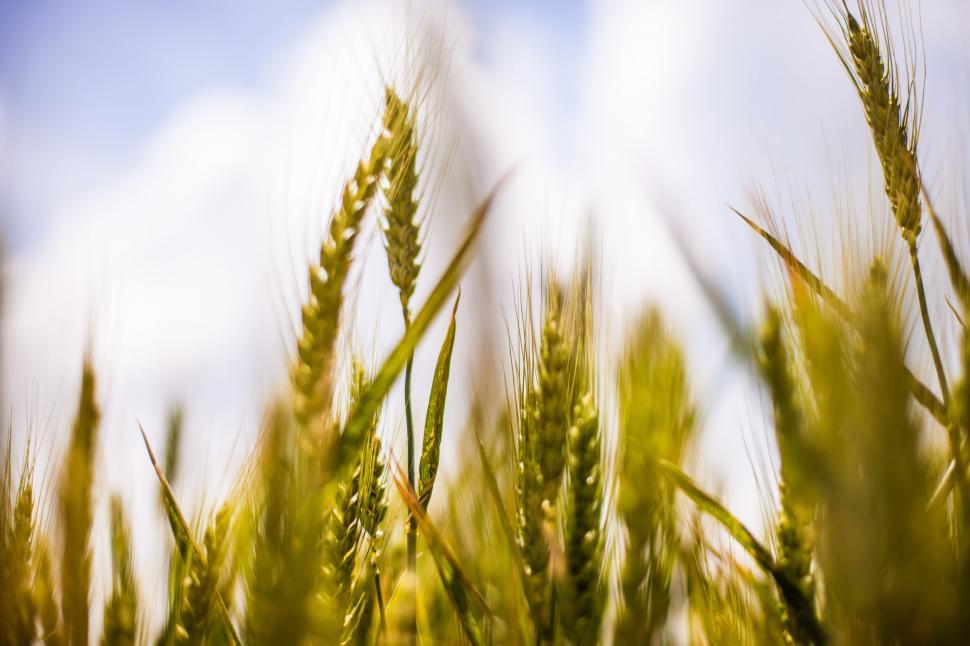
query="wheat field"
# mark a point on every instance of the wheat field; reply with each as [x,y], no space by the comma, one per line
[574,517]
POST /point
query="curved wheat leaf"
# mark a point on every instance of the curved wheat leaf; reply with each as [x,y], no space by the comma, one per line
[434,420]
[920,391]
[460,588]
[801,607]
[182,533]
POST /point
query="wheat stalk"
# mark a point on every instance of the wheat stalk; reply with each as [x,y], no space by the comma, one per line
[402,246]
[76,511]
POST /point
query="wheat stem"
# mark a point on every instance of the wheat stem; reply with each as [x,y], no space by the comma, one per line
[76,511]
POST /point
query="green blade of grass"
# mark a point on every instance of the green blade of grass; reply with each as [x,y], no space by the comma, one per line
[182,533]
[921,393]
[712,507]
[460,588]
[434,420]
[800,606]
[958,277]
[491,484]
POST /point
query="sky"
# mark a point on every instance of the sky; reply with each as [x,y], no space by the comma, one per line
[167,168]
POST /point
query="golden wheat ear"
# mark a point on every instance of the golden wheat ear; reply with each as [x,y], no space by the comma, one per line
[311,375]
[18,612]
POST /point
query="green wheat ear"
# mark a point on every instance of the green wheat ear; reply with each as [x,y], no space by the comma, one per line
[552,402]
[793,531]
[202,618]
[311,376]
[893,127]
[656,421]
[543,408]
[121,611]
[401,227]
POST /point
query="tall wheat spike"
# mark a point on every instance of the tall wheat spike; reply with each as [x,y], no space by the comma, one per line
[121,611]
[373,508]
[75,494]
[17,607]
[894,127]
[552,402]
[895,133]
[401,227]
[403,247]
[341,543]
[544,403]
[794,521]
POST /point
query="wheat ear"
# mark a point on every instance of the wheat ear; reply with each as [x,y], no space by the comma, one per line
[17,608]
[584,536]
[311,376]
[793,527]
[401,227]
[656,420]
[201,618]
[121,611]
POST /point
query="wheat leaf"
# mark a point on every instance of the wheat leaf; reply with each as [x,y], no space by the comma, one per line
[800,606]
[921,392]
[182,533]
[460,588]
[434,420]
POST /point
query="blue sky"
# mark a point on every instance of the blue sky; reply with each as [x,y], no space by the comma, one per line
[86,81]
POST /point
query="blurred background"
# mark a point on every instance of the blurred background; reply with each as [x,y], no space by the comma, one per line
[167,170]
